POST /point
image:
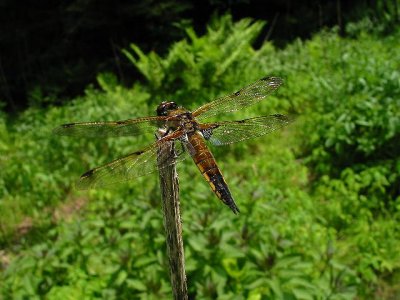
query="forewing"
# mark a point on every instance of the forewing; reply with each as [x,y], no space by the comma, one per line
[131,166]
[245,97]
[223,133]
[130,127]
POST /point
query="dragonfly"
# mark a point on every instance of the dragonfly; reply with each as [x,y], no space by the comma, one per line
[188,130]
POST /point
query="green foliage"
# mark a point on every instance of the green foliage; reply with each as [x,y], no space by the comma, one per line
[359,117]
[319,201]
[198,68]
[39,168]
[379,17]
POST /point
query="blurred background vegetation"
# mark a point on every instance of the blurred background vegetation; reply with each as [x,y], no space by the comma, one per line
[320,200]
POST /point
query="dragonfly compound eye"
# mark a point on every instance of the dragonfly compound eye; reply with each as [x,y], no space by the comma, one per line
[164,107]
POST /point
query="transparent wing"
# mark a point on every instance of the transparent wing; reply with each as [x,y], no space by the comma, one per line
[245,97]
[131,127]
[133,165]
[223,133]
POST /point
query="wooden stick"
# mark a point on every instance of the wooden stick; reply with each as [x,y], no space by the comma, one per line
[169,184]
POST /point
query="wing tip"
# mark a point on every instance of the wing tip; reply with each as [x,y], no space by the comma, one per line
[60,130]
[286,118]
[273,81]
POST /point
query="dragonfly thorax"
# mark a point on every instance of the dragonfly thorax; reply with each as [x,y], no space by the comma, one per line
[181,120]
[187,123]
[177,117]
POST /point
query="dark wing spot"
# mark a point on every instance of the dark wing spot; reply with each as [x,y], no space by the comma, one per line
[68,125]
[207,133]
[138,152]
[237,93]
[282,117]
[120,122]
[241,121]
[87,174]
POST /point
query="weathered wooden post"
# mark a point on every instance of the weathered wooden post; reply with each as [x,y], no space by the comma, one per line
[169,184]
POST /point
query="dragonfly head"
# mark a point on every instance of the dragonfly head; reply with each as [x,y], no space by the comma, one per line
[165,107]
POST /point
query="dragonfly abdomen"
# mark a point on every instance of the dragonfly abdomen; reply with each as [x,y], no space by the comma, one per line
[220,188]
[208,167]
